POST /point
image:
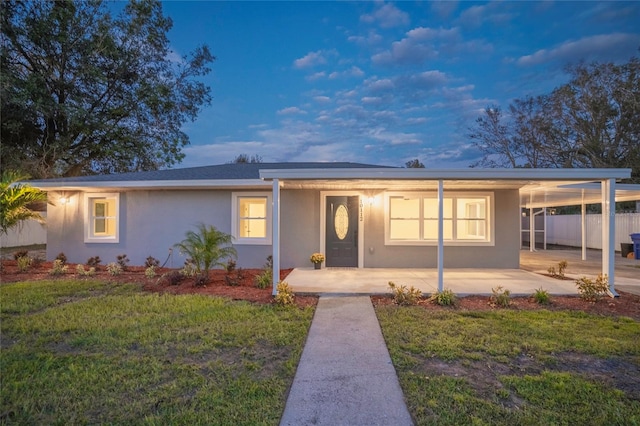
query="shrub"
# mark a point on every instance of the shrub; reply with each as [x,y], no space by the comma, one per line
[592,290]
[150,272]
[207,248]
[201,279]
[114,268]
[284,294]
[151,262]
[189,269]
[58,268]
[500,297]
[541,296]
[405,296]
[444,298]
[234,279]
[24,263]
[562,266]
[94,262]
[122,260]
[265,279]
[36,261]
[230,266]
[173,277]
[62,258]
[80,271]
[20,253]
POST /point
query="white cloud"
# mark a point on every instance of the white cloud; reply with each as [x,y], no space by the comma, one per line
[291,111]
[387,16]
[352,72]
[493,13]
[419,45]
[316,76]
[372,39]
[322,99]
[313,59]
[599,47]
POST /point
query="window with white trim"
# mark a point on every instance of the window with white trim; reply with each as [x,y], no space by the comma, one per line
[412,218]
[102,218]
[251,218]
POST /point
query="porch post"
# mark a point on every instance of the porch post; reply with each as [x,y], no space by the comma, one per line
[583,231]
[544,232]
[532,225]
[440,235]
[276,235]
[608,232]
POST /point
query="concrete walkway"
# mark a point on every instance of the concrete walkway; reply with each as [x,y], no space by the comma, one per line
[345,375]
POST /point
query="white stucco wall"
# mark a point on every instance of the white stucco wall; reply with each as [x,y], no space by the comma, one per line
[28,233]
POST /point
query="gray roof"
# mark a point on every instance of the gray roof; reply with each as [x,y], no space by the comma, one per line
[216,172]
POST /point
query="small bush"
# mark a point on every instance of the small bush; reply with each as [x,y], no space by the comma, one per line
[114,268]
[24,263]
[36,261]
[234,279]
[150,272]
[201,279]
[541,296]
[285,295]
[230,266]
[151,262]
[444,298]
[173,277]
[265,279]
[58,268]
[405,296]
[562,266]
[62,258]
[20,253]
[500,297]
[80,271]
[122,261]
[592,290]
[94,262]
[189,269]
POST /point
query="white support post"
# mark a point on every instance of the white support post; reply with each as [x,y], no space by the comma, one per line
[532,225]
[276,235]
[583,224]
[608,232]
[544,231]
[440,235]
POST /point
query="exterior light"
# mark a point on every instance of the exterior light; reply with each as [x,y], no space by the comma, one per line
[63,200]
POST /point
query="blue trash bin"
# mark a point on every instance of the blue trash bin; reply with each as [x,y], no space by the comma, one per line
[636,244]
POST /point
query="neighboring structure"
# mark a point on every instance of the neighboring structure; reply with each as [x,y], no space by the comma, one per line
[359,215]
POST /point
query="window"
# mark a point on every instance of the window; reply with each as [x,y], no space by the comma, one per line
[101,218]
[251,218]
[413,218]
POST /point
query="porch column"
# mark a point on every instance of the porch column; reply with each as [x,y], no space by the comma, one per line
[583,231]
[532,225]
[608,232]
[544,232]
[440,235]
[276,235]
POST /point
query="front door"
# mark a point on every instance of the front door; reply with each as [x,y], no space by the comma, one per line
[342,231]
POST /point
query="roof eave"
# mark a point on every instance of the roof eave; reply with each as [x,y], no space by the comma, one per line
[153,185]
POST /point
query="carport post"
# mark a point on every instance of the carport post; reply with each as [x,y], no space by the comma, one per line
[608,189]
[583,231]
[532,225]
[440,236]
[276,235]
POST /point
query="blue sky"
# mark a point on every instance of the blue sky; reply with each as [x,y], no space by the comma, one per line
[376,82]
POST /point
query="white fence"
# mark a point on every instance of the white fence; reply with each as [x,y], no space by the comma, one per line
[29,233]
[566,229]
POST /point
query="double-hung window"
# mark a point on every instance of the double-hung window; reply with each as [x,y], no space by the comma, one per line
[102,218]
[412,218]
[251,218]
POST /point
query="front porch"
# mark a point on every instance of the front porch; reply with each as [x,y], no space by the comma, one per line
[468,281]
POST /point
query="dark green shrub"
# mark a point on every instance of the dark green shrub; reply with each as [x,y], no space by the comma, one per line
[234,278]
[20,253]
[444,298]
[94,262]
[207,248]
[173,278]
[201,279]
[230,266]
[62,258]
[123,261]
[265,279]
[541,296]
[151,261]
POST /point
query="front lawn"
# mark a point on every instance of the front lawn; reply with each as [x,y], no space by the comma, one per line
[87,352]
[515,367]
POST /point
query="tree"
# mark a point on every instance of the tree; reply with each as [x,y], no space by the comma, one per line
[85,92]
[414,164]
[593,121]
[16,200]
[244,158]
[207,247]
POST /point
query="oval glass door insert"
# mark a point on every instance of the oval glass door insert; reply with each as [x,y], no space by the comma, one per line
[341,222]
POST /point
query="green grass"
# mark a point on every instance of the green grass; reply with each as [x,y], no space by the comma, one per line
[515,367]
[77,352]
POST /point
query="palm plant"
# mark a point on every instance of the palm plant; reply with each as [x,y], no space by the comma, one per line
[15,199]
[208,247]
